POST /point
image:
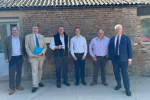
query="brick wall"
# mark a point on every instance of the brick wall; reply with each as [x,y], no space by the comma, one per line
[89,20]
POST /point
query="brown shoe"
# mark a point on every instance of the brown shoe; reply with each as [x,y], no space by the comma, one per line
[11,91]
[93,83]
[105,83]
[19,88]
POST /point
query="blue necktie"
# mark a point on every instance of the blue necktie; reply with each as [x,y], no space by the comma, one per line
[37,41]
[117,46]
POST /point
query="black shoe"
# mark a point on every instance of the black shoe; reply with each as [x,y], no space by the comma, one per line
[41,85]
[128,93]
[59,85]
[77,83]
[34,89]
[118,87]
[66,82]
[84,83]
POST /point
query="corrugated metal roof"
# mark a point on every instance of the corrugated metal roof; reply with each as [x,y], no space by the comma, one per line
[48,3]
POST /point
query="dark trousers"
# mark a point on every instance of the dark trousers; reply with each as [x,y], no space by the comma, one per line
[79,67]
[15,65]
[117,64]
[61,62]
[100,63]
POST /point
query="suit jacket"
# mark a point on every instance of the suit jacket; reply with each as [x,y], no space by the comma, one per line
[8,47]
[125,49]
[30,46]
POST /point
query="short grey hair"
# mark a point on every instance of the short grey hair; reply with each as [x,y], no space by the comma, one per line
[100,30]
[118,25]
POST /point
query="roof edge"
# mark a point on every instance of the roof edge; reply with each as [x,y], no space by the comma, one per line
[72,7]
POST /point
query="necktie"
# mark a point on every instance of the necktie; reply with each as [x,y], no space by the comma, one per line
[117,46]
[37,41]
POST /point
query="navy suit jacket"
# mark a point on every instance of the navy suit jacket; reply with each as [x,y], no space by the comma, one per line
[125,49]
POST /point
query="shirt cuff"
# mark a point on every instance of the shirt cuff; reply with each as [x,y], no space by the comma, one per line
[129,59]
[93,56]
[53,48]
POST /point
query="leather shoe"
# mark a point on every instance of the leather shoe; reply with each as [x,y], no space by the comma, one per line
[19,88]
[84,83]
[118,87]
[34,89]
[11,91]
[66,82]
[58,85]
[128,93]
[77,83]
[41,84]
[93,83]
[105,83]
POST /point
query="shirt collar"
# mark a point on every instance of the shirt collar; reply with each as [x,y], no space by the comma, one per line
[62,37]
[34,34]
[78,37]
[120,35]
[13,37]
[98,38]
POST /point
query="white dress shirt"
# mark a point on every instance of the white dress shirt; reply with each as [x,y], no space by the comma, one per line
[119,44]
[99,47]
[35,38]
[52,43]
[16,51]
[78,45]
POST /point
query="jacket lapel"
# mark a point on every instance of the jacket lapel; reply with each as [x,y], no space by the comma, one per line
[10,42]
[32,39]
[40,38]
[20,42]
[113,42]
[122,38]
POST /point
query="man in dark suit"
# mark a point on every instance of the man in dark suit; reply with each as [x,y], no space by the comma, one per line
[120,55]
[14,50]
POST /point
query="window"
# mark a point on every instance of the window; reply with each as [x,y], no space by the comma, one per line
[145,30]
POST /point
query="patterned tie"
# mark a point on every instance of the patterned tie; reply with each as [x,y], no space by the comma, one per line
[117,46]
[37,41]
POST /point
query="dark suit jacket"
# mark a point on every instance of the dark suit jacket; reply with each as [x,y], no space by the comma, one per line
[125,49]
[8,47]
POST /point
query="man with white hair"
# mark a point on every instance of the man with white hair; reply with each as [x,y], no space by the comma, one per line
[120,56]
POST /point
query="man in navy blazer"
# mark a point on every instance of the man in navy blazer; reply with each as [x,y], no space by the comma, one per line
[120,56]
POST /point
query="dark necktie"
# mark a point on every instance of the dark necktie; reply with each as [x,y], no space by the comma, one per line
[37,41]
[117,46]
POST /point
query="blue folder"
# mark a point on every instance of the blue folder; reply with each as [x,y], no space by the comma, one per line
[37,50]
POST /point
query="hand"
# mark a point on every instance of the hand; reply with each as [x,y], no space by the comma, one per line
[83,57]
[129,62]
[60,46]
[24,59]
[39,54]
[75,58]
[35,56]
[107,56]
[7,60]
[68,55]
[94,58]
[110,61]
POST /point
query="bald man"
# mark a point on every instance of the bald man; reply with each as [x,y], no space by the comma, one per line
[98,49]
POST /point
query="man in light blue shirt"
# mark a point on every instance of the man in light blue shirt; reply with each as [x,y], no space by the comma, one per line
[14,55]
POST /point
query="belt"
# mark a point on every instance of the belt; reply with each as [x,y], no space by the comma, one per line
[17,56]
[101,56]
[78,53]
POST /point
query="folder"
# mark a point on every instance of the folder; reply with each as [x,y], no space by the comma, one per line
[37,50]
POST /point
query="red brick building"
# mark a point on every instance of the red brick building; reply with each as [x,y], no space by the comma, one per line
[89,15]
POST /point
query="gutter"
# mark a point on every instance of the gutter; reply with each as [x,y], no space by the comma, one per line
[70,7]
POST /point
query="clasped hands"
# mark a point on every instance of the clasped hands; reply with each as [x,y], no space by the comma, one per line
[38,55]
